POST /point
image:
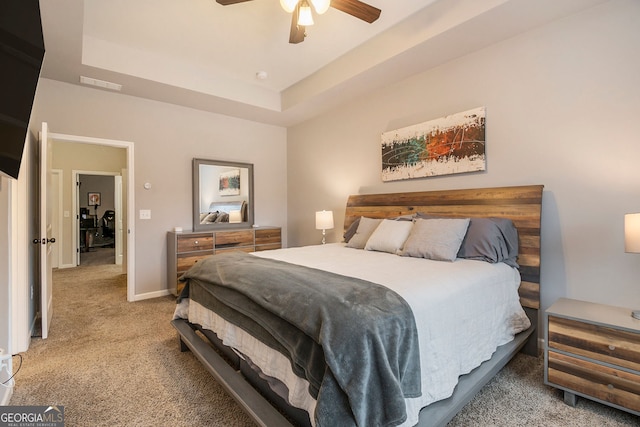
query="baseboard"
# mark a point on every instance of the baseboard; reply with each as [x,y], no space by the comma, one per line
[61,266]
[150,295]
[5,395]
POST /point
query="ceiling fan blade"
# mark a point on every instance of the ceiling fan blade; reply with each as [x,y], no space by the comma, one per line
[358,9]
[297,33]
[228,2]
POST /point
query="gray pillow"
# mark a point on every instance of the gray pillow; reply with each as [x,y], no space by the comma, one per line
[366,227]
[490,239]
[437,239]
[351,231]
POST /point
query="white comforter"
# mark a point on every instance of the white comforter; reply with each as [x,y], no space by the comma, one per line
[463,311]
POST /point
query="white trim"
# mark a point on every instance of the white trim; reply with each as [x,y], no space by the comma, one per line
[75,174]
[59,173]
[150,295]
[5,395]
[130,186]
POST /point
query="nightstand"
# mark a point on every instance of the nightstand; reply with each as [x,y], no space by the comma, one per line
[593,351]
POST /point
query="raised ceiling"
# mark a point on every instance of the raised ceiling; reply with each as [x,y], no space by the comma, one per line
[199,54]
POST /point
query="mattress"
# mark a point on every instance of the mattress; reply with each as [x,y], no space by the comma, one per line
[463,311]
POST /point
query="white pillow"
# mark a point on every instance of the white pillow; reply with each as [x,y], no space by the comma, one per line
[366,227]
[437,239]
[389,236]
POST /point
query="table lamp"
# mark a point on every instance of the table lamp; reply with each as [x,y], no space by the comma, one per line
[235,216]
[324,221]
[632,241]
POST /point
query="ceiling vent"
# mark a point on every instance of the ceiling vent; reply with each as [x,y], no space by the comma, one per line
[100,83]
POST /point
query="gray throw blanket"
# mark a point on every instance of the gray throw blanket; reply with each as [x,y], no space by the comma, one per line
[364,332]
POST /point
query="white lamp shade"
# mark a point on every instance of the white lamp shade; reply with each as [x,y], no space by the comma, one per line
[321,6]
[235,216]
[324,220]
[289,5]
[305,18]
[632,233]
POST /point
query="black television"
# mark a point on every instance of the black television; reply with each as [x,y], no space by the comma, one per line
[21,56]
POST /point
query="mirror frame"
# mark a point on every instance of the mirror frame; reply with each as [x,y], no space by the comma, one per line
[197,226]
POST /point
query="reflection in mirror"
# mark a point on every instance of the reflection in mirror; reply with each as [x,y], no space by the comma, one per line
[222,194]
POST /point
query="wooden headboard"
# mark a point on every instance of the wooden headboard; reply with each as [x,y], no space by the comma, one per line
[521,204]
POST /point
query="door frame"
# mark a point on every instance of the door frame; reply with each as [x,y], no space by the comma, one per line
[76,207]
[130,190]
[57,215]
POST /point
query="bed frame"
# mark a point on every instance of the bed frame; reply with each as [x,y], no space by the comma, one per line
[522,204]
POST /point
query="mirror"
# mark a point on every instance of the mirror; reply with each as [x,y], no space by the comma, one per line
[222,195]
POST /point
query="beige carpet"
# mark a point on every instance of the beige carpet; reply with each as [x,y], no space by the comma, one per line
[114,363]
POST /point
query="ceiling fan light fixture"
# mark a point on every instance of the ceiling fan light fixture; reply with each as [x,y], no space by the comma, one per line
[321,6]
[289,5]
[305,18]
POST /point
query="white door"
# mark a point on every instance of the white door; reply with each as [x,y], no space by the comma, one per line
[46,238]
[118,234]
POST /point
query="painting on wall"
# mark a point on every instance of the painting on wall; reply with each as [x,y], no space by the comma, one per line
[93,199]
[448,145]
[230,183]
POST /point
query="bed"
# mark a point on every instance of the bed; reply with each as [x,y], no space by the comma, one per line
[263,381]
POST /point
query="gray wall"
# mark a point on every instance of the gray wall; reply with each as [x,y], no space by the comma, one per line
[562,106]
[166,138]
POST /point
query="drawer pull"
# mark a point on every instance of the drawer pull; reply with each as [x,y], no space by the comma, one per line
[196,242]
[612,347]
[610,386]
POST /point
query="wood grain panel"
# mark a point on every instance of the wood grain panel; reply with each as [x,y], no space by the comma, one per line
[186,261]
[228,238]
[600,343]
[236,248]
[602,382]
[195,242]
[268,236]
[268,247]
[521,204]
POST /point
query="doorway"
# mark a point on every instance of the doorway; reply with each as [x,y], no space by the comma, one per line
[97,200]
[93,163]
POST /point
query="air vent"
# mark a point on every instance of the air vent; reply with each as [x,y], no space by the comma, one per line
[100,83]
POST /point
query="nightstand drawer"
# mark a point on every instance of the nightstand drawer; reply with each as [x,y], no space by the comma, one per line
[613,346]
[602,382]
[192,243]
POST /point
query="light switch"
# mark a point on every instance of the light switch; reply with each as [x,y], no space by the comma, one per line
[145,214]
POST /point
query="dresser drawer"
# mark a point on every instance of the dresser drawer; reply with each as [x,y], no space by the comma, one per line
[592,379]
[600,343]
[234,238]
[192,243]
[268,247]
[268,236]
[235,248]
[186,261]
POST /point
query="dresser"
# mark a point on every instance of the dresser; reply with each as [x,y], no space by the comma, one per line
[593,351]
[185,249]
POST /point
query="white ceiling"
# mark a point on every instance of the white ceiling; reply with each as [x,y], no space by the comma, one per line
[199,54]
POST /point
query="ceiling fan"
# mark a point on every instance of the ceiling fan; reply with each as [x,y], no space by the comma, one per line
[302,17]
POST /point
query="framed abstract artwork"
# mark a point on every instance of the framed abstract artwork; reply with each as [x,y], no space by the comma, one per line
[230,183]
[448,145]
